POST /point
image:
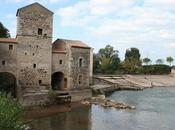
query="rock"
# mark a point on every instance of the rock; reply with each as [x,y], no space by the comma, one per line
[100,100]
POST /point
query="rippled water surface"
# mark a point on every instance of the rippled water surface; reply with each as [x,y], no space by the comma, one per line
[155,110]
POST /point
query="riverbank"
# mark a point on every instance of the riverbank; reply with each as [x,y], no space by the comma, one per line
[109,83]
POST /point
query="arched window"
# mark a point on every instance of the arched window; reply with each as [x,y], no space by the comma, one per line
[80,62]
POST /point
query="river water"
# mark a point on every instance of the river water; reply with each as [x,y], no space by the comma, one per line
[155,110]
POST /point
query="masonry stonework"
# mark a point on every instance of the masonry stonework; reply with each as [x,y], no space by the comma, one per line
[40,66]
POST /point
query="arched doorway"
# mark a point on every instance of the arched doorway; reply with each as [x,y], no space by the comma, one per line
[57,81]
[8,83]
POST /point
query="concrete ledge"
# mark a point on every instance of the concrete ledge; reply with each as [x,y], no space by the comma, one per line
[79,95]
[34,99]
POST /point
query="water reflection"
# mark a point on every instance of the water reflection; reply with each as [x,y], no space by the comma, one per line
[79,118]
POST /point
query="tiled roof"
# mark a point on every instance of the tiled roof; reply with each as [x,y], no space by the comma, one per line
[74,43]
[8,40]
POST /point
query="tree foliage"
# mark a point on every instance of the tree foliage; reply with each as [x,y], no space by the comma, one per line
[159,61]
[106,61]
[132,62]
[170,60]
[146,61]
[4,32]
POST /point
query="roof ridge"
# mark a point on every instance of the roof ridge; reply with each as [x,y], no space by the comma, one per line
[33,4]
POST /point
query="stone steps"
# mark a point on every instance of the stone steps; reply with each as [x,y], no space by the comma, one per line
[63,97]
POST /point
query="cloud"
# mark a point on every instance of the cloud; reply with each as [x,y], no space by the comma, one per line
[125,22]
[31,1]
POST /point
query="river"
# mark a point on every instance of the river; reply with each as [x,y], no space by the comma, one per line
[155,110]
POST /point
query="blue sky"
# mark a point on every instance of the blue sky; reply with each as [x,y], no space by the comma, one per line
[146,24]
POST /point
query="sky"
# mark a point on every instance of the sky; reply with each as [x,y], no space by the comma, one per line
[148,25]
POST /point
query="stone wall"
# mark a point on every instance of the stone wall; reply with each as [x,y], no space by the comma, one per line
[80,74]
[34,37]
[8,60]
[80,95]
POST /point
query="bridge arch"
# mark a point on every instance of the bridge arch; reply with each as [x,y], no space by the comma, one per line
[8,83]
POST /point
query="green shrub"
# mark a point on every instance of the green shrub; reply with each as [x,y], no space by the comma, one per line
[156,69]
[10,114]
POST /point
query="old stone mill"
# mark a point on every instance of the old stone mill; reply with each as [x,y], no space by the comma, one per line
[31,65]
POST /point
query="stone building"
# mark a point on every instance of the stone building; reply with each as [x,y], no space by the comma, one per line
[38,66]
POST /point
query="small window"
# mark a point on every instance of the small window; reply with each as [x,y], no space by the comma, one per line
[80,62]
[34,65]
[61,62]
[3,62]
[45,35]
[40,31]
[10,47]
[80,79]
[40,81]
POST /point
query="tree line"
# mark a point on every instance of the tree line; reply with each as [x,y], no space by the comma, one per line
[107,61]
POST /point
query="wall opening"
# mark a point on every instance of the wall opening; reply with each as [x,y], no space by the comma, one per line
[80,78]
[80,62]
[10,47]
[61,62]
[34,65]
[40,31]
[8,83]
[57,81]
[3,62]
[40,81]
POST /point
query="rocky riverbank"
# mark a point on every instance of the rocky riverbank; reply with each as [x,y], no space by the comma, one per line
[106,103]
[108,83]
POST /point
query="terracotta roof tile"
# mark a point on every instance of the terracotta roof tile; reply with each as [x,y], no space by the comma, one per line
[8,40]
[74,43]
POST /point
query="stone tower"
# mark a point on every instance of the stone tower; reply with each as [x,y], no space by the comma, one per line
[34,55]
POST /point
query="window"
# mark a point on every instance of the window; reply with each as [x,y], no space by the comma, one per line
[45,35]
[3,62]
[40,81]
[80,78]
[34,65]
[61,62]
[10,47]
[80,62]
[40,31]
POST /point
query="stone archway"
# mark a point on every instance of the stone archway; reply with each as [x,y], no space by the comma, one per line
[58,81]
[8,83]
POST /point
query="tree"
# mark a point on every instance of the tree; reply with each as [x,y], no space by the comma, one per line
[159,61]
[146,61]
[132,60]
[170,60]
[4,32]
[108,59]
[96,63]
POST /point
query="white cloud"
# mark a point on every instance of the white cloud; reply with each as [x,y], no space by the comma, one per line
[31,1]
[125,23]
